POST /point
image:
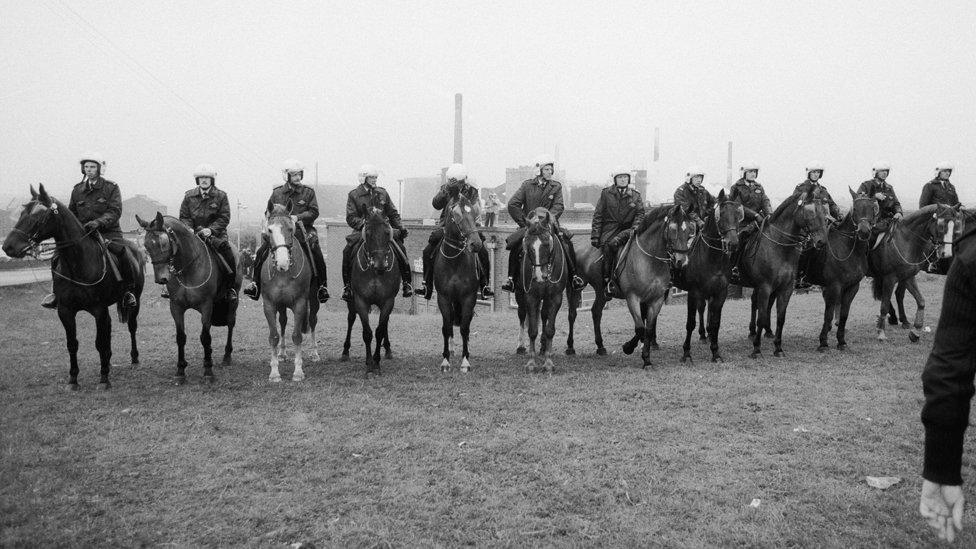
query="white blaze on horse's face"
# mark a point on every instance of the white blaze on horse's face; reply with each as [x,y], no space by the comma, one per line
[537,268]
[282,260]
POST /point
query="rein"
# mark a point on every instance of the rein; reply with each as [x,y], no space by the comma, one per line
[548,266]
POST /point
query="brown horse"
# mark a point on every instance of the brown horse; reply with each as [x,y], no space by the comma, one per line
[841,264]
[540,286]
[456,277]
[769,261]
[375,282]
[191,271]
[660,244]
[83,279]
[915,241]
[706,278]
[589,266]
[286,283]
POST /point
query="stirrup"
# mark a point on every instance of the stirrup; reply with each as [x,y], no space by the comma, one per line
[509,285]
[346,294]
[50,301]
[252,291]
[323,294]
[129,299]
[486,292]
[230,296]
[578,282]
[427,290]
[407,289]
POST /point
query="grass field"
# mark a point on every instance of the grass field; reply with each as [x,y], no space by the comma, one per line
[602,453]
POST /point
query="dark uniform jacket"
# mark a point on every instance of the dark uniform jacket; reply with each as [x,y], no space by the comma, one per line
[820,192]
[694,199]
[752,196]
[615,213]
[303,202]
[212,212]
[449,192]
[889,205]
[100,202]
[938,192]
[362,199]
[536,193]
[947,379]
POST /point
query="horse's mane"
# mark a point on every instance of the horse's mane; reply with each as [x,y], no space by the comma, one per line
[176,225]
[788,204]
[655,215]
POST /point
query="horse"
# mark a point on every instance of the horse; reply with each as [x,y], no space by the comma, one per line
[351,316]
[589,266]
[915,241]
[191,271]
[83,277]
[841,264]
[768,263]
[375,281]
[660,244]
[456,277]
[287,282]
[539,288]
[706,277]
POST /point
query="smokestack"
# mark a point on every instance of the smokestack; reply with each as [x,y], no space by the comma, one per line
[729,170]
[657,144]
[458,148]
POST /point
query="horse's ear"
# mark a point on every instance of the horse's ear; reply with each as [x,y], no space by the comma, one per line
[853,194]
[159,220]
[957,207]
[721,195]
[42,195]
[142,223]
[33,193]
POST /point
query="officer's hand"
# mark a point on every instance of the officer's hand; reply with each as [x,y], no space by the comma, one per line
[879,196]
[92,226]
[294,218]
[942,507]
[205,233]
[897,216]
[403,234]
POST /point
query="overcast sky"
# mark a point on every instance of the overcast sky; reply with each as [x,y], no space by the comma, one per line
[159,87]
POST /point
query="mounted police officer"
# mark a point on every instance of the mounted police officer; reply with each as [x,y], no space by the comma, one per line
[694,198]
[618,214]
[358,205]
[305,208]
[751,194]
[97,203]
[540,191]
[939,190]
[206,210]
[457,185]
[813,186]
[889,208]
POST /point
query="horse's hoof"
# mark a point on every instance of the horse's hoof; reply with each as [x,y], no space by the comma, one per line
[892,321]
[768,333]
[388,355]
[520,350]
[135,360]
[313,356]
[210,379]
[298,377]
[570,351]
[71,387]
[906,325]
[646,364]
[275,379]
[685,358]
[823,347]
[882,336]
[104,386]
[702,338]
[779,353]
[530,367]
[629,349]
[344,357]
[601,351]
[841,346]
[718,359]
[179,380]
[913,337]
[755,354]
[445,366]
[655,347]
[226,361]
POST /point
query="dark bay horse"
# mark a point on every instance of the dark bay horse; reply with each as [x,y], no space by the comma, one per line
[840,265]
[540,286]
[286,283]
[83,277]
[351,316]
[915,240]
[769,261]
[375,282]
[706,277]
[589,266]
[456,277]
[192,274]
[660,244]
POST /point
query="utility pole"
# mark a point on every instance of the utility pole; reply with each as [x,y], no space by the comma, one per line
[239,222]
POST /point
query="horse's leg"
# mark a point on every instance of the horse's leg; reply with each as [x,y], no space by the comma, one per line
[845,308]
[651,311]
[301,317]
[760,296]
[596,311]
[702,330]
[179,313]
[270,314]
[133,324]
[350,320]
[447,330]
[103,342]
[574,299]
[550,308]
[769,315]
[715,305]
[382,331]
[206,314]
[229,345]
[522,312]
[650,328]
[308,329]
[782,302]
[692,303]
[900,300]
[634,306]
[916,332]
[831,294]
[467,313]
[363,310]
[887,286]
[753,311]
[532,317]
[283,324]
[70,324]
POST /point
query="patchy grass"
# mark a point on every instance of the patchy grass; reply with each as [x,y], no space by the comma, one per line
[602,453]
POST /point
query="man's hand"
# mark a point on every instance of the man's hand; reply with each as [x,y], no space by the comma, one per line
[403,234]
[595,242]
[92,226]
[942,507]
[879,196]
[897,216]
[205,232]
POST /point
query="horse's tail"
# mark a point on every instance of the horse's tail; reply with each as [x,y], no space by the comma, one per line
[876,284]
[123,312]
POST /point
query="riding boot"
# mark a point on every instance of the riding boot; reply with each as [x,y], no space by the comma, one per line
[230,278]
[253,289]
[428,261]
[347,271]
[485,278]
[128,277]
[514,261]
[609,264]
[576,281]
[405,274]
[319,261]
[50,301]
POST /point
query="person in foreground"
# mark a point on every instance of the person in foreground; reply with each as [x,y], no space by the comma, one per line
[947,381]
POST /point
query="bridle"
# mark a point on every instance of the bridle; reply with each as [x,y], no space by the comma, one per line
[546,268]
[169,244]
[34,239]
[459,245]
[386,258]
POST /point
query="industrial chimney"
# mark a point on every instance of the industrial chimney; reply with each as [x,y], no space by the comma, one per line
[458,151]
